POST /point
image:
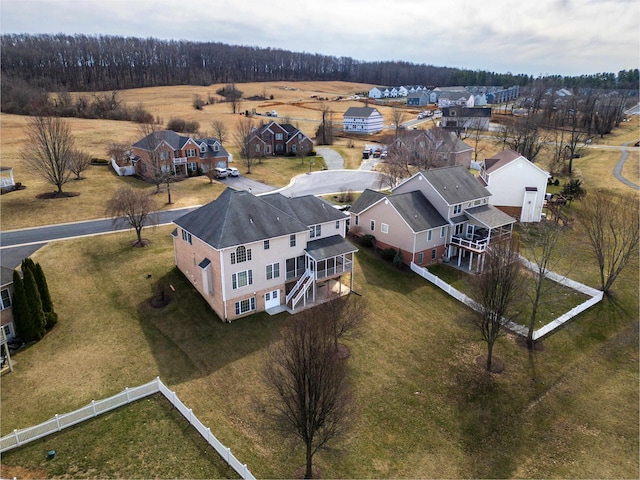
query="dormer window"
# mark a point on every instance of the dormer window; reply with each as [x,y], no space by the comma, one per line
[203,148]
[457,209]
[216,148]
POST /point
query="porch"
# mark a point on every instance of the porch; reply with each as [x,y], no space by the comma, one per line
[326,261]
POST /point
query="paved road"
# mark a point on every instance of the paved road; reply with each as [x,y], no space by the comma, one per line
[333,181]
[617,170]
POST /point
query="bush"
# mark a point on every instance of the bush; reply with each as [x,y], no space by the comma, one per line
[398,259]
[51,318]
[312,153]
[368,240]
[388,254]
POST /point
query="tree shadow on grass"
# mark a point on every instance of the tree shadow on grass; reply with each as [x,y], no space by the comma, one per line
[188,340]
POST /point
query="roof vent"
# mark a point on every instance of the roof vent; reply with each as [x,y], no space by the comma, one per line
[251,220]
[456,186]
[445,187]
[277,219]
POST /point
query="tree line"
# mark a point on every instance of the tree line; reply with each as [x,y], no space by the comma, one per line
[105,62]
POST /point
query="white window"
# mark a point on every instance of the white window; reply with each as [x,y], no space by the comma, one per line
[241,254]
[443,232]
[265,245]
[193,166]
[357,219]
[278,136]
[5,298]
[315,231]
[337,224]
[292,240]
[244,306]
[420,258]
[8,330]
[186,236]
[384,228]
[429,236]
[373,225]
[203,148]
[242,279]
[163,156]
[273,271]
[216,148]
[457,209]
[433,254]
[293,147]
[191,152]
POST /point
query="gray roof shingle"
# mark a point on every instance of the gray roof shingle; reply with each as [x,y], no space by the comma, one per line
[329,247]
[455,184]
[365,200]
[417,211]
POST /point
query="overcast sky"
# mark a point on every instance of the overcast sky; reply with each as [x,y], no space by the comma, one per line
[566,37]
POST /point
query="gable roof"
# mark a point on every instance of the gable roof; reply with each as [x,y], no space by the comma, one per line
[504,158]
[446,141]
[360,112]
[455,184]
[489,215]
[237,217]
[177,142]
[329,247]
[365,200]
[6,276]
[417,211]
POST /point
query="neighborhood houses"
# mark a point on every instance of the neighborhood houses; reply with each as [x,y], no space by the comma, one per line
[279,139]
[246,254]
[436,215]
[179,154]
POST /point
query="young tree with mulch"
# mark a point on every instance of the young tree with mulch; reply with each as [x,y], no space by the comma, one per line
[307,384]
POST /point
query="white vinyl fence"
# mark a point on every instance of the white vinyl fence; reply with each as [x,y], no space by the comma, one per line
[95,408]
[596,296]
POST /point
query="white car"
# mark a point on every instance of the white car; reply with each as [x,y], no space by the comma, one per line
[233,172]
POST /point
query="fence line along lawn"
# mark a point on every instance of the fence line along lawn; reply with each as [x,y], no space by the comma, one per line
[96,448]
[424,408]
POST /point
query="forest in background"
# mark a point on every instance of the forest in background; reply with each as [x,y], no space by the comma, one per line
[103,62]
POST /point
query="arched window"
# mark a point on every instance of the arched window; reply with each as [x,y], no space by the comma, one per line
[241,254]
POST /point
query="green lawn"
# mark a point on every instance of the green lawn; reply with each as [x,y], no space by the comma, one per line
[424,407]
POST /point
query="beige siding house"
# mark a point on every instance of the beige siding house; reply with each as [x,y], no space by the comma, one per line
[517,186]
[246,254]
[473,223]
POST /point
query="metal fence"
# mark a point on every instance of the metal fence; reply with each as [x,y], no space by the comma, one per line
[95,408]
[596,296]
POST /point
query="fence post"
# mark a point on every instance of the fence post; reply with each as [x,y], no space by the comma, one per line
[158,383]
[244,472]
[58,422]
[228,454]
[126,389]
[93,404]
[191,416]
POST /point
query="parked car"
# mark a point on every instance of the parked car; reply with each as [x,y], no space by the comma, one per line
[272,113]
[233,172]
[221,172]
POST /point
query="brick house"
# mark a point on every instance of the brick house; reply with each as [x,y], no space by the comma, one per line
[279,139]
[177,153]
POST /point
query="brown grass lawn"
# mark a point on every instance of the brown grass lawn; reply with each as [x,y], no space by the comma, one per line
[292,101]
[424,408]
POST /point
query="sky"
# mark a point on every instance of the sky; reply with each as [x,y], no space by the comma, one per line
[534,37]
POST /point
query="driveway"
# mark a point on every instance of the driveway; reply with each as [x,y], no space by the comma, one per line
[333,181]
[332,158]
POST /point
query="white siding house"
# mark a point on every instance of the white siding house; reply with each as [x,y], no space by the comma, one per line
[517,186]
[362,120]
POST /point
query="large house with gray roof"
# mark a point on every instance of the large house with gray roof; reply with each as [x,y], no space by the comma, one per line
[178,154]
[279,139]
[246,253]
[435,215]
[362,120]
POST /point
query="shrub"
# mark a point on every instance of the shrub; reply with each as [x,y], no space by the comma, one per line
[388,254]
[312,153]
[368,240]
[51,318]
[398,259]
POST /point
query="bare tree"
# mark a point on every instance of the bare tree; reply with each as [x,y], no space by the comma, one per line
[159,161]
[344,316]
[132,207]
[242,139]
[395,166]
[496,292]
[611,224]
[308,384]
[324,133]
[523,135]
[219,130]
[119,152]
[79,161]
[48,149]
[540,244]
[397,117]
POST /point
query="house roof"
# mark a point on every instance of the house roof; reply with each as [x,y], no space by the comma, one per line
[467,111]
[329,247]
[365,200]
[446,141]
[489,216]
[237,217]
[417,211]
[6,276]
[363,112]
[455,184]
[307,209]
[504,158]
[177,142]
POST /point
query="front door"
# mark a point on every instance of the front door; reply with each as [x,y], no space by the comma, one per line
[272,299]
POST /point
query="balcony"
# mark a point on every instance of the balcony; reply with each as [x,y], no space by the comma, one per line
[333,266]
[475,243]
[180,161]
